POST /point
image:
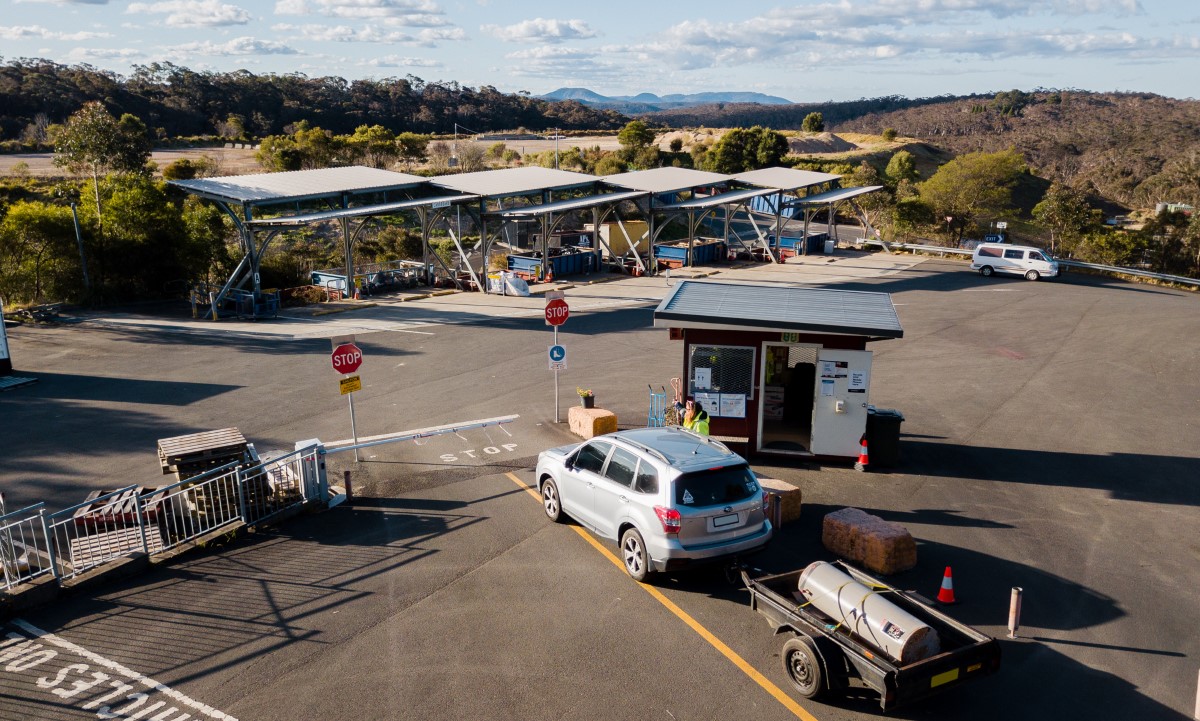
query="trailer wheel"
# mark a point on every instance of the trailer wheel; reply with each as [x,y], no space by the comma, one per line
[803,666]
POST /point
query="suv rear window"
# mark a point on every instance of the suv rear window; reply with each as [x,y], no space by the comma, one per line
[715,487]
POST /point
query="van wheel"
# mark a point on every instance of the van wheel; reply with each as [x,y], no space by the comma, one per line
[986,271]
[1032,275]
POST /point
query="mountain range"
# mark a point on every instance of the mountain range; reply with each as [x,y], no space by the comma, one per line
[649,102]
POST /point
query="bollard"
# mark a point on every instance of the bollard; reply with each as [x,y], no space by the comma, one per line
[1014,612]
[349,490]
[776,510]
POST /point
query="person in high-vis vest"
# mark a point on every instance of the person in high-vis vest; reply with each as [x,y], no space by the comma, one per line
[695,418]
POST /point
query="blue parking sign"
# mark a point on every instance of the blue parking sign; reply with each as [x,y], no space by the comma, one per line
[558,357]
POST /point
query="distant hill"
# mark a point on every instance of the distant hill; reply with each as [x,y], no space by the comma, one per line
[649,102]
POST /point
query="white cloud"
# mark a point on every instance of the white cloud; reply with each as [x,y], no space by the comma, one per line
[237,46]
[65,2]
[430,37]
[396,61]
[194,13]
[87,54]
[418,13]
[343,34]
[541,30]
[25,32]
[551,52]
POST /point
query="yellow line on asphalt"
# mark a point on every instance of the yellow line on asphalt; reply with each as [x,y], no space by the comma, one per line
[787,701]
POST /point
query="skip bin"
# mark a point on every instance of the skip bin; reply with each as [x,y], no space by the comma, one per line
[883,436]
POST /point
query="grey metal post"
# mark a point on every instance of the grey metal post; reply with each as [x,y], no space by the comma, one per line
[137,508]
[241,491]
[345,222]
[1014,612]
[87,283]
[556,417]
[353,427]
[49,545]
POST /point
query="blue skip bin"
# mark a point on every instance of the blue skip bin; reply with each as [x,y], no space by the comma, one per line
[568,263]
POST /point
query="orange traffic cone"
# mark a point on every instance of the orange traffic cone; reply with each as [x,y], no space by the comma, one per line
[946,593]
[863,462]
[549,274]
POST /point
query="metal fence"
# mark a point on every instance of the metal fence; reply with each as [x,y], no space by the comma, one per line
[24,548]
[103,529]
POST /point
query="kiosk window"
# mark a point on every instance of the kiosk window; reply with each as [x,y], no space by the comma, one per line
[728,369]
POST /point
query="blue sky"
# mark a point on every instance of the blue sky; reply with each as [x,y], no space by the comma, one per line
[810,51]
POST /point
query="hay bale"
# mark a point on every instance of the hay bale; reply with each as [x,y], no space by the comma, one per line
[869,541]
[789,497]
[591,422]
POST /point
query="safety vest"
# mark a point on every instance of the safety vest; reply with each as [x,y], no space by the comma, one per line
[699,423]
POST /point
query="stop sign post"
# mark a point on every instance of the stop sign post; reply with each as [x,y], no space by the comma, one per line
[557,313]
[346,358]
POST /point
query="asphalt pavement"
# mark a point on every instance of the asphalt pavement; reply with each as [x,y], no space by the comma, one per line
[1049,443]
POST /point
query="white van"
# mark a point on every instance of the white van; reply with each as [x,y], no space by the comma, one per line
[1033,263]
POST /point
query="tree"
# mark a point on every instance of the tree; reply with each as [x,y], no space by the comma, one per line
[889,135]
[901,167]
[471,157]
[94,142]
[970,186]
[609,165]
[744,149]
[676,145]
[1065,212]
[374,146]
[813,123]
[412,146]
[36,252]
[635,136]
[439,155]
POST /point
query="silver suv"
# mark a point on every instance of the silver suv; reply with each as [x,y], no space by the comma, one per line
[669,497]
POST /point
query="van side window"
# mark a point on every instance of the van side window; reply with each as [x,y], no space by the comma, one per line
[989,252]
[1034,255]
[1014,254]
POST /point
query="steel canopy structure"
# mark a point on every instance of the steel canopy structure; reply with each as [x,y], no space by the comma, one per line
[362,193]
[811,205]
[338,187]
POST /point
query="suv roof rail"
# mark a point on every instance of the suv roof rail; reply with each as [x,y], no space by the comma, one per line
[642,446]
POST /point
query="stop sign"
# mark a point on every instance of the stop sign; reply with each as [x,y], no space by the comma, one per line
[557,312]
[347,358]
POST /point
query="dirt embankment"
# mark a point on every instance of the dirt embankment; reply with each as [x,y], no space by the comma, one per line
[229,161]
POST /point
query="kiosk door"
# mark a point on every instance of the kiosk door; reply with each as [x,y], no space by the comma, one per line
[840,414]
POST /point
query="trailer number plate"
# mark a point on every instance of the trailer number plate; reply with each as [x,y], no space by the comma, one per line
[722,521]
[945,677]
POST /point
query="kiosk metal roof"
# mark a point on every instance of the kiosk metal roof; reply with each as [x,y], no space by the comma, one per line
[290,221]
[266,188]
[833,196]
[665,180]
[712,201]
[564,206]
[729,306]
[512,181]
[784,178]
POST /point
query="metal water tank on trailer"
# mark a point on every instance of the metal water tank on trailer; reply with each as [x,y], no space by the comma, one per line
[867,614]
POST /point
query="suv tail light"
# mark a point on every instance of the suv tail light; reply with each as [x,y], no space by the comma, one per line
[671,520]
[766,501]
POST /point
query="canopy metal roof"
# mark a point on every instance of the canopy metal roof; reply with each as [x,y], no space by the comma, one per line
[833,196]
[665,180]
[784,178]
[729,306]
[712,201]
[564,206]
[267,188]
[512,181]
[292,221]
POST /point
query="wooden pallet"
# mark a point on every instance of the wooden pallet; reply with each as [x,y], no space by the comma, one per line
[193,454]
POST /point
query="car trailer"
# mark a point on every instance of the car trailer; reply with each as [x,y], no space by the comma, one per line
[822,655]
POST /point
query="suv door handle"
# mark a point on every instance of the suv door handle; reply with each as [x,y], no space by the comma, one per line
[623,499]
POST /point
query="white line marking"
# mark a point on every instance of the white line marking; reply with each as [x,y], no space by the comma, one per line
[118,668]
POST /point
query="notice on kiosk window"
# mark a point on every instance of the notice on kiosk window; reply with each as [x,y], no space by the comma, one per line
[858,382]
[826,388]
[733,405]
[710,401]
[703,378]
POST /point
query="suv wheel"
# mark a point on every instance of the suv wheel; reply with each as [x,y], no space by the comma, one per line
[634,556]
[551,502]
